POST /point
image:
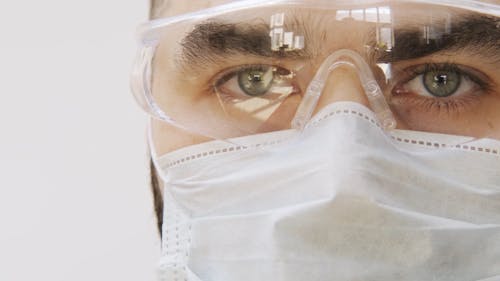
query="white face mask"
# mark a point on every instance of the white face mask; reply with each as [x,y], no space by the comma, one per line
[340,201]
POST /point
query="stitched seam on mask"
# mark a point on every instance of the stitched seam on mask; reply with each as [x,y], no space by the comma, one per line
[443,145]
[329,115]
[219,151]
[241,148]
[176,242]
[347,112]
[416,142]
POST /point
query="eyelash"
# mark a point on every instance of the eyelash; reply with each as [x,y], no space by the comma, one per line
[451,67]
[447,104]
[232,72]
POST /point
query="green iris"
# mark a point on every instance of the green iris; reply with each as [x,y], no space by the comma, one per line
[256,81]
[441,83]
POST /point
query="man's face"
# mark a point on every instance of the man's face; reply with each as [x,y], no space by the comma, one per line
[167,138]
[365,181]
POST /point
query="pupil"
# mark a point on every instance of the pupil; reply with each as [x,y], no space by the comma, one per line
[255,78]
[441,79]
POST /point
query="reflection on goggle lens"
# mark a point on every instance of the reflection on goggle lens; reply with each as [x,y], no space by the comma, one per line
[246,71]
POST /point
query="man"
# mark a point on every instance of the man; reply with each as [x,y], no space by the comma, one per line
[324,140]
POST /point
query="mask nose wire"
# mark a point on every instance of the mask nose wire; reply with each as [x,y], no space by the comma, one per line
[349,58]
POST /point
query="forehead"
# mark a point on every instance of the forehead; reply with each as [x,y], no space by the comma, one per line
[175,7]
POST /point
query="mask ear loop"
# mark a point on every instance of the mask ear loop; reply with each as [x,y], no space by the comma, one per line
[376,98]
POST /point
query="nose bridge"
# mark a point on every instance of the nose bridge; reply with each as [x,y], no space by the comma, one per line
[343,76]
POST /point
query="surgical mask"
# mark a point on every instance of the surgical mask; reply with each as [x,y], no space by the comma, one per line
[340,200]
[399,180]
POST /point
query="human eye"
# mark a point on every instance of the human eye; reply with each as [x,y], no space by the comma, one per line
[437,88]
[245,82]
[457,98]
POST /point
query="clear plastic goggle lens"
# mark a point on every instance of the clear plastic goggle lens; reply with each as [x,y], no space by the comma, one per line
[242,71]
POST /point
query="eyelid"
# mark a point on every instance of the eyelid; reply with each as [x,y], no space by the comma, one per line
[230,73]
[476,76]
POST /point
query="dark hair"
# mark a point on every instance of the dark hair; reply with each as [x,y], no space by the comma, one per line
[157,197]
[155,7]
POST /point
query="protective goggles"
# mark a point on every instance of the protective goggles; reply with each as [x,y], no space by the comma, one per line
[251,67]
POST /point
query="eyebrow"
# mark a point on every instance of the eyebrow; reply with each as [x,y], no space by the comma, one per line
[475,34]
[212,41]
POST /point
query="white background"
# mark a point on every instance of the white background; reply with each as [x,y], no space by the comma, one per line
[74,196]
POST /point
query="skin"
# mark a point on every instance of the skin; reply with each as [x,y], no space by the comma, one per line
[343,85]
[167,138]
[176,7]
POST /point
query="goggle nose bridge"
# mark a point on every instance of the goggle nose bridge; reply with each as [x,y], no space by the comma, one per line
[344,57]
